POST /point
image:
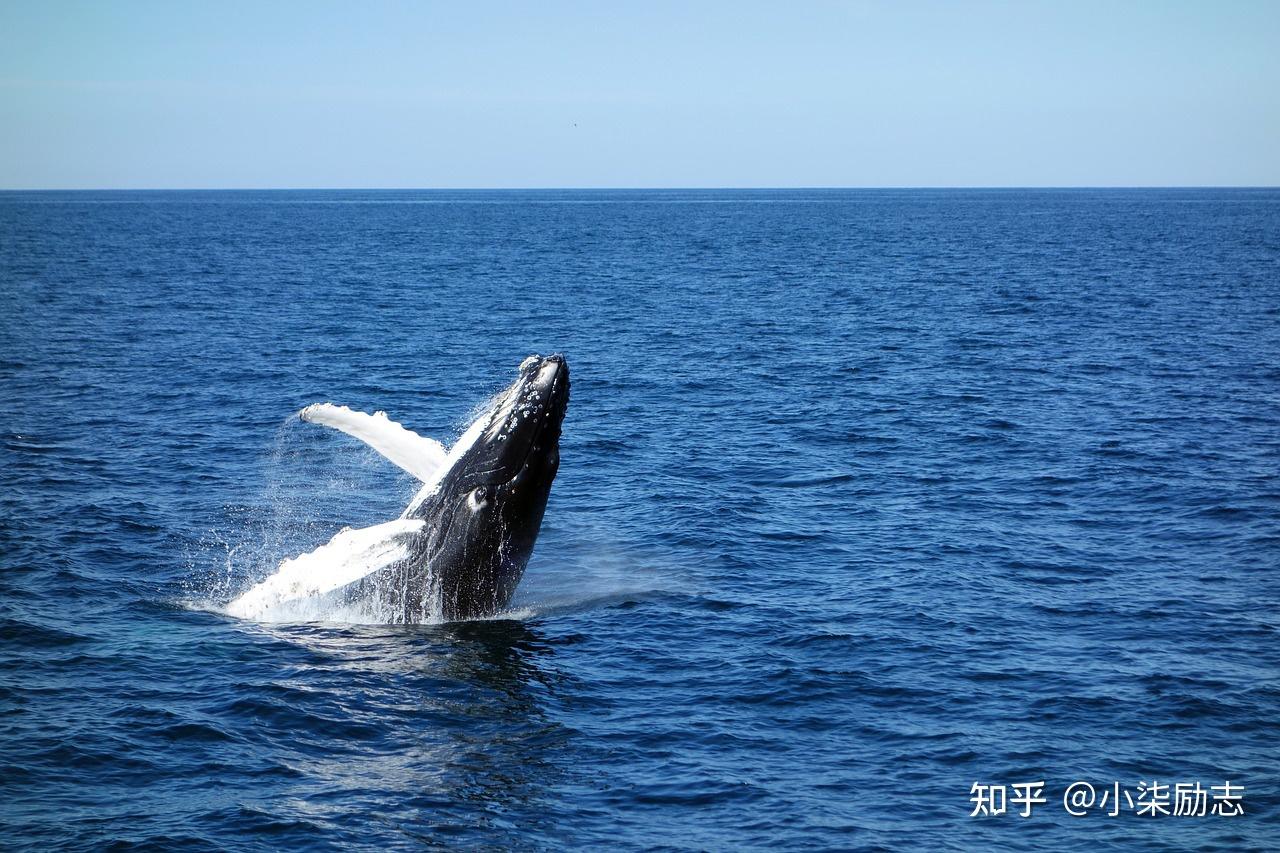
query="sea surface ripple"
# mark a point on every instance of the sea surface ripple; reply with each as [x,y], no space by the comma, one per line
[866,496]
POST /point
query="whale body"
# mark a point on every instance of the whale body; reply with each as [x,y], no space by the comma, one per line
[459,549]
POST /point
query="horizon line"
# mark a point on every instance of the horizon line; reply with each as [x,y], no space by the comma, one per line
[808,187]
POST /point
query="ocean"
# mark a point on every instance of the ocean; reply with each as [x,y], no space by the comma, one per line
[871,504]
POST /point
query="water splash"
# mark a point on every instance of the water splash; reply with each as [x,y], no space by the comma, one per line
[309,477]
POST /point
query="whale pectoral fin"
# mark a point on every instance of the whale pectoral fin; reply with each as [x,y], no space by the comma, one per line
[346,558]
[420,456]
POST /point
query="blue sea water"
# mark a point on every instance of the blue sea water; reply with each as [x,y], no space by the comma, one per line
[865,496]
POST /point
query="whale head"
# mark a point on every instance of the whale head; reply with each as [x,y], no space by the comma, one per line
[488,507]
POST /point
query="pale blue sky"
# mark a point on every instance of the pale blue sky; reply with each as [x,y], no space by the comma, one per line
[647,94]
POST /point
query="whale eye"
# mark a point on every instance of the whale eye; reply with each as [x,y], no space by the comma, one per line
[478,499]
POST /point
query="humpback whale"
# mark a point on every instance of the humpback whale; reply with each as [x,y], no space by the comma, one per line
[460,547]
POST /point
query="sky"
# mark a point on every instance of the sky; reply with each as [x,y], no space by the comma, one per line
[313,94]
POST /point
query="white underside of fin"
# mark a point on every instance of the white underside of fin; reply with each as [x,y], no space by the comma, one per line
[345,558]
[420,456]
